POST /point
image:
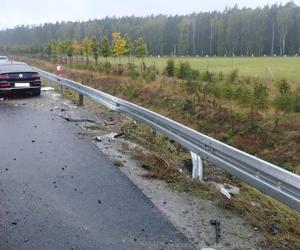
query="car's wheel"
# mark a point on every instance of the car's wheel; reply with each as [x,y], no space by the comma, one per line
[36,92]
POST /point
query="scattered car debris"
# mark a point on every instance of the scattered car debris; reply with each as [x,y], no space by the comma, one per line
[76,120]
[109,124]
[100,201]
[225,192]
[216,224]
[98,139]
[274,229]
[119,135]
[47,89]
[14,223]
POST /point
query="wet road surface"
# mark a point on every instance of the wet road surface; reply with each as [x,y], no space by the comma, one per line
[58,191]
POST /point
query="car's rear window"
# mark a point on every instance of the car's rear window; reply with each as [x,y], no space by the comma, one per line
[15,68]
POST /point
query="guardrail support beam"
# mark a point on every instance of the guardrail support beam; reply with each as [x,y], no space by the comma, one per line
[197,166]
[80,100]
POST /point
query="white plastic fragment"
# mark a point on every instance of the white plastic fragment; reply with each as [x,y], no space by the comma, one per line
[47,88]
[225,192]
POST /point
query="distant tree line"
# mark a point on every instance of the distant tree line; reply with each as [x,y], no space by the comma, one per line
[262,31]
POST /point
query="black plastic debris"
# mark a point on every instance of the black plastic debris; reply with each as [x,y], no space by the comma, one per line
[217,225]
[119,135]
[273,229]
[98,139]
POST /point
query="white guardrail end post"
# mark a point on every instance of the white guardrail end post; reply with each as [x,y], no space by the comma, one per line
[197,166]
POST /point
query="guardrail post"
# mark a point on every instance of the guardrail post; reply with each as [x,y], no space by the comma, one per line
[197,166]
[61,90]
[80,100]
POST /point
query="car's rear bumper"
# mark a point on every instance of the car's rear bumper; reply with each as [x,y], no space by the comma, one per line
[22,88]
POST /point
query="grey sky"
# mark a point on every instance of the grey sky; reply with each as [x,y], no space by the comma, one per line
[18,12]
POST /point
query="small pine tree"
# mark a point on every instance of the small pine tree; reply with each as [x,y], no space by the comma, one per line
[184,71]
[170,68]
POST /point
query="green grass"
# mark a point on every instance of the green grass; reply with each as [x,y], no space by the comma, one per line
[263,67]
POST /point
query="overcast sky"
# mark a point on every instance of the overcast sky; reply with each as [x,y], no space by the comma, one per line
[18,12]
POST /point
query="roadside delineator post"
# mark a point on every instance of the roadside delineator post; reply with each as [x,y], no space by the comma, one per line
[197,166]
[59,73]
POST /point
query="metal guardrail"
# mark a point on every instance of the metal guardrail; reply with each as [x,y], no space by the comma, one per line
[266,177]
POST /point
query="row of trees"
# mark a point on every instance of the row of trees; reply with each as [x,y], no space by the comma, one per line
[270,30]
[120,46]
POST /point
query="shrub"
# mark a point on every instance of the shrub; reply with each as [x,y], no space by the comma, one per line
[233,76]
[170,68]
[134,75]
[260,95]
[131,91]
[149,76]
[184,71]
[195,74]
[188,105]
[191,86]
[207,76]
[283,87]
[243,95]
[284,102]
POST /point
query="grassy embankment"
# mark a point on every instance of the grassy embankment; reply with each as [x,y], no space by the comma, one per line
[276,141]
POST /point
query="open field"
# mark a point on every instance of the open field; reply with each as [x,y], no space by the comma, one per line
[263,67]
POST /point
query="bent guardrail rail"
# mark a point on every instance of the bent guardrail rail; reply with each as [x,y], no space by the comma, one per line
[266,177]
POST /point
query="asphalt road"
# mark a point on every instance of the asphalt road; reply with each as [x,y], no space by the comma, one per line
[58,191]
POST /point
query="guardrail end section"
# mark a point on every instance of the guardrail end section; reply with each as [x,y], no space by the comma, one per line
[197,166]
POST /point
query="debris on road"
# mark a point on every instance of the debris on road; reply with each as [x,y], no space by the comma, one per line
[47,89]
[273,229]
[76,120]
[225,192]
[98,139]
[119,135]
[216,224]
